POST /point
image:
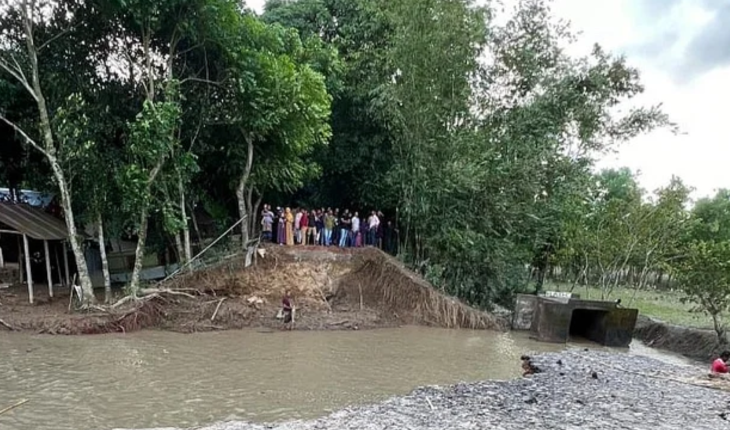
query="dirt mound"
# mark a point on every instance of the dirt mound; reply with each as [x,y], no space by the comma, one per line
[349,288]
[332,289]
[381,282]
[693,343]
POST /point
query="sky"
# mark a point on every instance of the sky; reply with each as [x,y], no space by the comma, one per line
[682,49]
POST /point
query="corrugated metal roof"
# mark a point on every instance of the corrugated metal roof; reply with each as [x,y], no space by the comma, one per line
[33,222]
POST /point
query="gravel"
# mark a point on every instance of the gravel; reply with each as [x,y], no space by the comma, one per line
[576,389]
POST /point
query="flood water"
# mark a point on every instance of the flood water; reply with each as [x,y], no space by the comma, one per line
[159,379]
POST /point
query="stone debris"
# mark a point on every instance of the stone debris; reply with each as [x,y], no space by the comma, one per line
[576,389]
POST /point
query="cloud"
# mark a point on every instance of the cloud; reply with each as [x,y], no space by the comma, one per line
[710,48]
[689,38]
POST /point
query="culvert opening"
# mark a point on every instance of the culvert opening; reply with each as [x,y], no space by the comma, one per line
[588,324]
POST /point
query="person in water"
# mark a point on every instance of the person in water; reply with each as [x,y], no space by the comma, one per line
[287,308]
[719,366]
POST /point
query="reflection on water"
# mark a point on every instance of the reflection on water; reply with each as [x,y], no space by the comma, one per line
[152,379]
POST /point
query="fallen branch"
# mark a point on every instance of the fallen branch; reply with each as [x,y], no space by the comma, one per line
[124,300]
[8,326]
[150,293]
[10,408]
[430,404]
[216,309]
[154,291]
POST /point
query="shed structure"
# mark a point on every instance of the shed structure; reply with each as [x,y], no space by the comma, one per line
[33,224]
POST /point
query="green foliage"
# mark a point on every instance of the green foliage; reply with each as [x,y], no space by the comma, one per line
[703,273]
[476,136]
[152,140]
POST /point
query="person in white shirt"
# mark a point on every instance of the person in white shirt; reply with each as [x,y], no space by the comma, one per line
[373,223]
[355,229]
[297,226]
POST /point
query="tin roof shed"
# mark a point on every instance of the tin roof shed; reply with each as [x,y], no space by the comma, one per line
[32,222]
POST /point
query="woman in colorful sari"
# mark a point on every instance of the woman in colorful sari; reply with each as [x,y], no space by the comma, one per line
[289,227]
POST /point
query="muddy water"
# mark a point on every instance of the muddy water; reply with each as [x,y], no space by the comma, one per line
[152,379]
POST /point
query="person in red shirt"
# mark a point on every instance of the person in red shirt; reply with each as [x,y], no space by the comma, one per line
[720,365]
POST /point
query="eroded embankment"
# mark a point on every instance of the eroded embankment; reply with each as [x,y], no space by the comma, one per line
[332,289]
[574,390]
[690,342]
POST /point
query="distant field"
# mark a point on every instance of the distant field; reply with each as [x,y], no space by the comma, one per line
[665,306]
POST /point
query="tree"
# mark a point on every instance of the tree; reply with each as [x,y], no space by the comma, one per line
[701,263]
[347,42]
[21,19]
[703,273]
[273,108]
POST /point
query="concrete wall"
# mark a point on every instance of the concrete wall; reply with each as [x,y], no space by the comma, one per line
[524,311]
[551,321]
[600,322]
[620,325]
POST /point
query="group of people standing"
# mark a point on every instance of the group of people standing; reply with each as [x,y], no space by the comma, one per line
[328,227]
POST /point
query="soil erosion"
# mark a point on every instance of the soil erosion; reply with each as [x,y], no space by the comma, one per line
[332,289]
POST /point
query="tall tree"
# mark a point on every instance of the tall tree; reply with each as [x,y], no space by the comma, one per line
[29,28]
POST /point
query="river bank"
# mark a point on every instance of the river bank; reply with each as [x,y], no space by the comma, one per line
[575,390]
[694,343]
[333,289]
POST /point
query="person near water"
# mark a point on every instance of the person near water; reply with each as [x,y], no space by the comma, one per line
[287,309]
[289,227]
[719,366]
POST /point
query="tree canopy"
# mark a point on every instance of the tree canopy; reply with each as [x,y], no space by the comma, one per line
[476,136]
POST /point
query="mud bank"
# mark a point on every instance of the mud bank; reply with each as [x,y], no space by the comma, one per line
[333,289]
[693,343]
[574,390]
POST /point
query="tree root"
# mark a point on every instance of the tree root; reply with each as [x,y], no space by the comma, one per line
[150,293]
[6,325]
[216,309]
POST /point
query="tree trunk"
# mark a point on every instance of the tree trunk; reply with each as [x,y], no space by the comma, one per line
[241,193]
[188,249]
[49,151]
[195,226]
[81,267]
[104,260]
[719,328]
[242,212]
[139,252]
[179,251]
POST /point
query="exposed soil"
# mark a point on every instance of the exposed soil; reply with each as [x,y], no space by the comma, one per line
[690,342]
[332,288]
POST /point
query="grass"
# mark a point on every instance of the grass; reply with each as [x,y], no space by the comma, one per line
[663,305]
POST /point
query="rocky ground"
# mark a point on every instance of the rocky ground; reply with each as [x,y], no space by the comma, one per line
[574,390]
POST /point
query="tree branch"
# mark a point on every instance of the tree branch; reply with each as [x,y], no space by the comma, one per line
[18,74]
[205,81]
[57,36]
[25,136]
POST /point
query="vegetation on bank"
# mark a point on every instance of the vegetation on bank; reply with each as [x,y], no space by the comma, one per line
[477,134]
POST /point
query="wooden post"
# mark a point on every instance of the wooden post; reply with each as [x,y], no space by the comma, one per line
[65,264]
[29,276]
[48,269]
[20,260]
[58,264]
